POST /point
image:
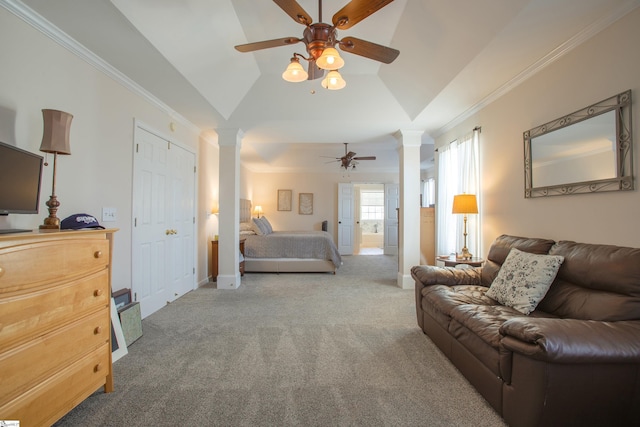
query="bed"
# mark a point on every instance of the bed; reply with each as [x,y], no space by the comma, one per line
[286,251]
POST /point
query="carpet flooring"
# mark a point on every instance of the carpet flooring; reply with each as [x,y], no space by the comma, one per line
[288,350]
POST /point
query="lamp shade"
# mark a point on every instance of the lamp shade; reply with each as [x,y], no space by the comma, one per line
[333,81]
[294,72]
[55,138]
[465,204]
[330,59]
[258,210]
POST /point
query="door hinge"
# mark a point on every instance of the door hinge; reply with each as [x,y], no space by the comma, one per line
[194,270]
[135,222]
[194,219]
[137,148]
[194,169]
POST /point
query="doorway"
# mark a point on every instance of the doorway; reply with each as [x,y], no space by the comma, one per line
[370,214]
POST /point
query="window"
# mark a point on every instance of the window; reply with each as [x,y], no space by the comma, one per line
[458,172]
[428,193]
[372,205]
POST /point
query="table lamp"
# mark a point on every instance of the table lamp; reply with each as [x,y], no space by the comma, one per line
[258,210]
[465,204]
[55,139]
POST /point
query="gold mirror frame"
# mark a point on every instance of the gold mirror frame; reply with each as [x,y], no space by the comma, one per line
[623,181]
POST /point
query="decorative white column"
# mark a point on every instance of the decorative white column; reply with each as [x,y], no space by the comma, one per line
[229,141]
[409,214]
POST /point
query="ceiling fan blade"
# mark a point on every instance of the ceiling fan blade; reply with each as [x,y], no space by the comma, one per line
[369,50]
[355,11]
[265,44]
[295,11]
[365,158]
[314,71]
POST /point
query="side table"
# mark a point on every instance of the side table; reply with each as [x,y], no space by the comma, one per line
[214,259]
[452,261]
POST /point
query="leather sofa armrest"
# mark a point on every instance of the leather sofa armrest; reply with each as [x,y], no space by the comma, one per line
[428,275]
[572,340]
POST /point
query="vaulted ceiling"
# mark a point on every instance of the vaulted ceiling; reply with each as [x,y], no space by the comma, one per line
[455,56]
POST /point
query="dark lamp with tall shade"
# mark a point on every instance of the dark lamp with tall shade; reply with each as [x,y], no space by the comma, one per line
[465,204]
[55,139]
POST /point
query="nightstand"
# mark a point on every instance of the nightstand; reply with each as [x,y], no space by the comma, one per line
[214,259]
[452,261]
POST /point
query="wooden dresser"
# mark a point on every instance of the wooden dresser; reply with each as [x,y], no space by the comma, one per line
[55,322]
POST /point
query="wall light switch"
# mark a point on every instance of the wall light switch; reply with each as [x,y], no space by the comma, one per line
[109,214]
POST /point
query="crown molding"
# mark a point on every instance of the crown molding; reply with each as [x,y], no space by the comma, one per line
[38,22]
[542,63]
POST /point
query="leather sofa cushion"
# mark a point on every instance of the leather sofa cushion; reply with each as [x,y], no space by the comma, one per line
[440,300]
[596,282]
[477,328]
[485,320]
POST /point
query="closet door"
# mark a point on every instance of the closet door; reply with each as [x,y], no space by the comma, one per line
[163,255]
[182,213]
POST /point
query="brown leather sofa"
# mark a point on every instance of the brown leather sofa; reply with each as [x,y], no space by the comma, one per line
[573,361]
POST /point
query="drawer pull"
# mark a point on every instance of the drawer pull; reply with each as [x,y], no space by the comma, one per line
[1,271]
[98,254]
[97,368]
[97,292]
[97,330]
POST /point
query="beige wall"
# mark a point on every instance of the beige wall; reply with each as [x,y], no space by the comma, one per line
[603,66]
[263,189]
[38,73]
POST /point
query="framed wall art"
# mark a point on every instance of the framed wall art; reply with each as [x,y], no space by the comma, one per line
[284,200]
[305,204]
[118,343]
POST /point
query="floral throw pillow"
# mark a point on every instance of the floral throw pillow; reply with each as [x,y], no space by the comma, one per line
[524,279]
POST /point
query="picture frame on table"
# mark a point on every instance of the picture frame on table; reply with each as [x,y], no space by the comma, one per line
[284,200]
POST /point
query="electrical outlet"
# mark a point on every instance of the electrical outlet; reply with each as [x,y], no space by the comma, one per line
[109,214]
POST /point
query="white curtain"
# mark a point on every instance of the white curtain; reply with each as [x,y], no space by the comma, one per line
[458,172]
[428,193]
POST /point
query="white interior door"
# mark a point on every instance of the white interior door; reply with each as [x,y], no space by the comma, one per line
[357,202]
[163,221]
[346,218]
[392,203]
[181,241]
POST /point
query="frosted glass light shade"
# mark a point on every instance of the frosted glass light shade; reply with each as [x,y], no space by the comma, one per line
[294,72]
[333,81]
[330,59]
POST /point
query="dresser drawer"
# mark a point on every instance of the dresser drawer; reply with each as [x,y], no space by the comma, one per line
[30,265]
[51,399]
[24,366]
[26,316]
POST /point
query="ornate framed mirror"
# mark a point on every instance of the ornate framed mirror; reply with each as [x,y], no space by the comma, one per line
[584,152]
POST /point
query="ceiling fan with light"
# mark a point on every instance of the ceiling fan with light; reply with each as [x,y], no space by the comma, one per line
[349,160]
[321,40]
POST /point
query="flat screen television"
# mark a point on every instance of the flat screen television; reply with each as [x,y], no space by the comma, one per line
[20,177]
